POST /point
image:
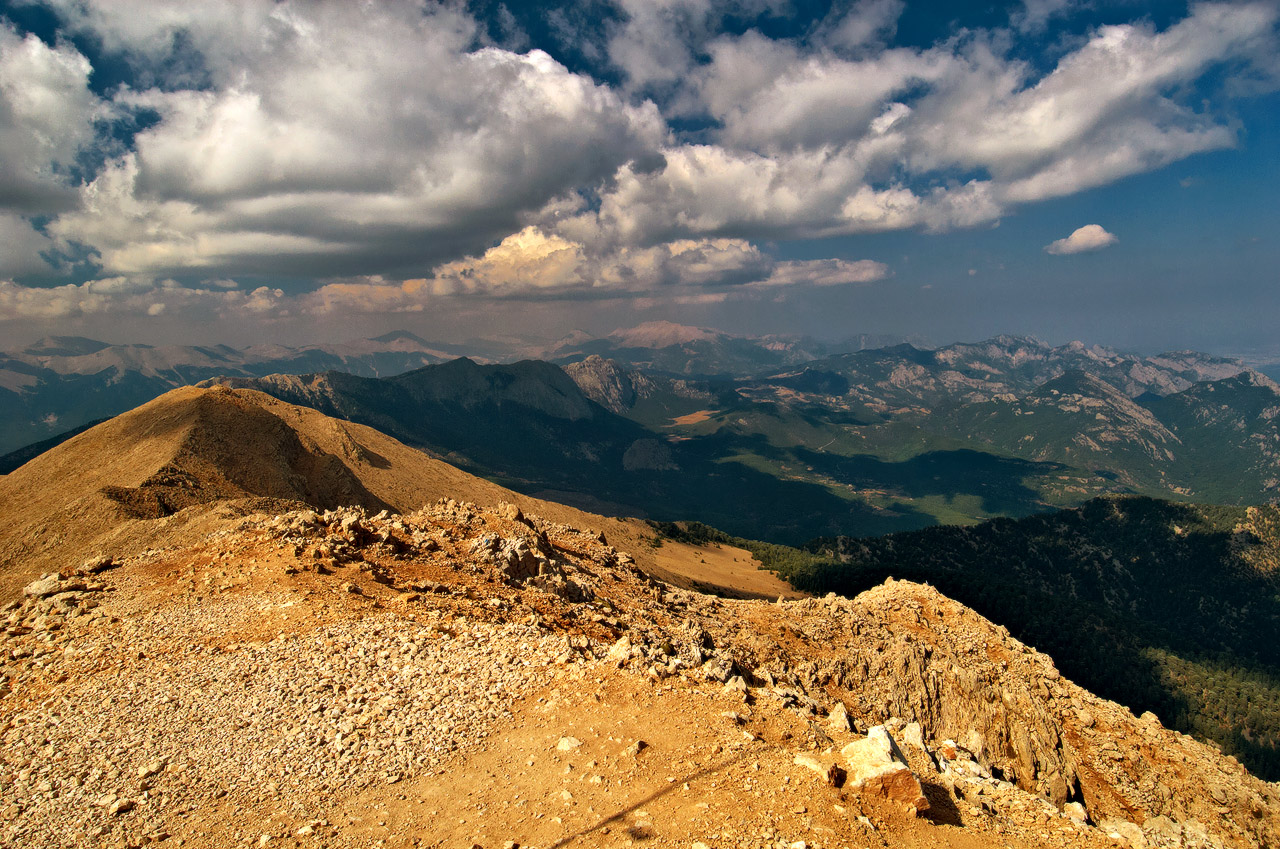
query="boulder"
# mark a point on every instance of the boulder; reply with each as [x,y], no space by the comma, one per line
[52,583]
[876,766]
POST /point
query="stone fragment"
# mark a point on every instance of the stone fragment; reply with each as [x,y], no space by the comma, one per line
[1162,831]
[150,769]
[877,767]
[831,774]
[1118,829]
[636,748]
[619,652]
[121,806]
[94,565]
[838,720]
[568,744]
[51,584]
[1076,811]
[913,736]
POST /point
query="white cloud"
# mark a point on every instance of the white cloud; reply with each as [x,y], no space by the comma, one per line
[658,42]
[21,247]
[1035,15]
[826,272]
[341,138]
[1090,237]
[865,24]
[811,143]
[373,146]
[46,118]
[129,296]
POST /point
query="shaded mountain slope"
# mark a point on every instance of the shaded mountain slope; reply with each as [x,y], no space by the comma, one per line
[1230,430]
[530,427]
[1164,607]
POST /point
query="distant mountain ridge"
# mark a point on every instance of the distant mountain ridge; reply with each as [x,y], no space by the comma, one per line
[678,349]
[1092,419]
[859,442]
[62,382]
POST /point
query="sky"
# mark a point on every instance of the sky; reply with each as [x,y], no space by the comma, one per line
[303,172]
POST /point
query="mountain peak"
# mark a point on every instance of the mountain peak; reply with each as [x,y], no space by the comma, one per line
[399,336]
[65,346]
[663,334]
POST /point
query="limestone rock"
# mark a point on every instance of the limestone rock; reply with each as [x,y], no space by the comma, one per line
[838,720]
[831,774]
[1124,830]
[51,583]
[877,767]
[1076,811]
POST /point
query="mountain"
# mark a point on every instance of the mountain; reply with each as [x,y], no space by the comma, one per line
[528,426]
[652,398]
[254,669]
[1230,433]
[1081,421]
[857,443]
[62,382]
[907,379]
[1173,608]
[168,469]
[943,431]
[693,351]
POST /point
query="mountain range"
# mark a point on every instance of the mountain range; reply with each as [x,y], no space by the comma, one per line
[62,382]
[238,620]
[853,443]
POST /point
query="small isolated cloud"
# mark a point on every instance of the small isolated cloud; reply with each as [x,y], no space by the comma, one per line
[826,272]
[1090,237]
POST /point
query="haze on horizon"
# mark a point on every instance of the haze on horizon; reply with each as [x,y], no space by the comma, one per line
[311,172]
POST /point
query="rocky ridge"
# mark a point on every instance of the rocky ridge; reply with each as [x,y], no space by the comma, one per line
[346,677]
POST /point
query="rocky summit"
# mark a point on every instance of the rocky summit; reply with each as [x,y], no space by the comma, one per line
[466,670]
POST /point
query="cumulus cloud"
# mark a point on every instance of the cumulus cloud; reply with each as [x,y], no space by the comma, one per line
[1090,237]
[383,149]
[341,138]
[46,118]
[132,296]
[819,143]
[533,264]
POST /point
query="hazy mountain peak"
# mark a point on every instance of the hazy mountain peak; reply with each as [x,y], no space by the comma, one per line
[65,346]
[662,334]
[399,336]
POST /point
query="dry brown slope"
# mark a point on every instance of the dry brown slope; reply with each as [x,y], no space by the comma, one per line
[341,679]
[140,479]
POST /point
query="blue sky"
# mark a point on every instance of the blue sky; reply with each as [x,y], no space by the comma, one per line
[307,172]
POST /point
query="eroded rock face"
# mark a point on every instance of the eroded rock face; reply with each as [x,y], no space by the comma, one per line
[877,766]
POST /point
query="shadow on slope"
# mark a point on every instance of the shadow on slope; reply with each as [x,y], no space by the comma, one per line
[528,426]
[1156,605]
